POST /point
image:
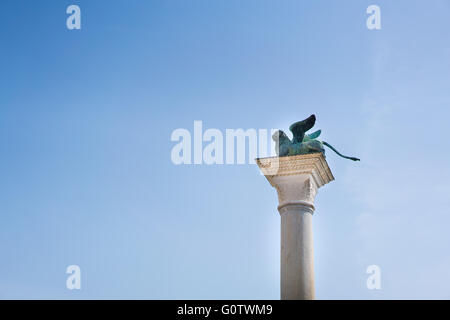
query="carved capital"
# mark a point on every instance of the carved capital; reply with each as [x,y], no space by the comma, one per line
[296,178]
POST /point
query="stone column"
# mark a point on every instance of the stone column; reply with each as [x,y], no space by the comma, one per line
[296,179]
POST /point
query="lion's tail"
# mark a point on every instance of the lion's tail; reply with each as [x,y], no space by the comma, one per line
[332,148]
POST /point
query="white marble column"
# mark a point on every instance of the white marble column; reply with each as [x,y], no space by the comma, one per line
[296,179]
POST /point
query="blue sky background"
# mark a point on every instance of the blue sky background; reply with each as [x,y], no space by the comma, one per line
[86,117]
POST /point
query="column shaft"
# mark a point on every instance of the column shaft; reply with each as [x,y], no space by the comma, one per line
[297,263]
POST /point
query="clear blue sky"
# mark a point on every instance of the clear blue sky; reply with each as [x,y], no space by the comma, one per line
[85,124]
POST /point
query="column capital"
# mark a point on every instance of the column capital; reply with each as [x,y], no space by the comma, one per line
[296,178]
